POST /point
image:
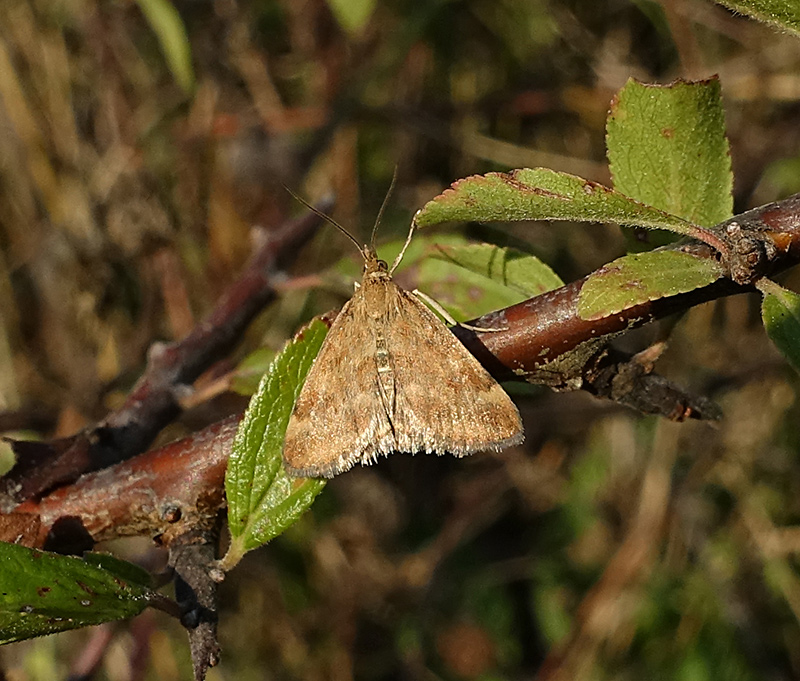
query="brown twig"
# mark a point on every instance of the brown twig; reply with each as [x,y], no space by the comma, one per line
[88,661]
[154,401]
[168,491]
[544,339]
[192,555]
[163,493]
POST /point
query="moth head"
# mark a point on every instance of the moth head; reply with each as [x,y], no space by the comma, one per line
[371,262]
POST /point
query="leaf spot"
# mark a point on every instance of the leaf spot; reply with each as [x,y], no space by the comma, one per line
[85,588]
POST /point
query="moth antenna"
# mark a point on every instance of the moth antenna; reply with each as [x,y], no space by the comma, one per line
[403,249]
[383,208]
[327,218]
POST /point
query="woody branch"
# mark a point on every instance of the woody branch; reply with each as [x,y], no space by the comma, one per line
[169,491]
[154,400]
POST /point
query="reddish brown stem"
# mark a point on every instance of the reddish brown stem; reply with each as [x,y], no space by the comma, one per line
[153,402]
[177,488]
[541,330]
[163,493]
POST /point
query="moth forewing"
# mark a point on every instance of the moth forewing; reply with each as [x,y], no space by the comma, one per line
[470,410]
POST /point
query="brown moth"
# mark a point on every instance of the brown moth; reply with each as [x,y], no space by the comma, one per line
[390,377]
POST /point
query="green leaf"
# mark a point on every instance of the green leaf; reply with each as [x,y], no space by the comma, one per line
[419,250]
[43,593]
[352,15]
[171,33]
[784,14]
[262,500]
[462,293]
[667,148]
[542,194]
[521,272]
[129,572]
[780,310]
[641,277]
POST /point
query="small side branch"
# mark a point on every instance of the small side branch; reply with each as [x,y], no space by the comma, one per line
[544,339]
[192,556]
[153,403]
[167,492]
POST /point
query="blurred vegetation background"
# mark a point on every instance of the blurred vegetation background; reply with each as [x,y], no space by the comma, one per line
[139,144]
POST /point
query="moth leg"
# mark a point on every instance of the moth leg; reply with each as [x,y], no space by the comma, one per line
[403,249]
[448,318]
